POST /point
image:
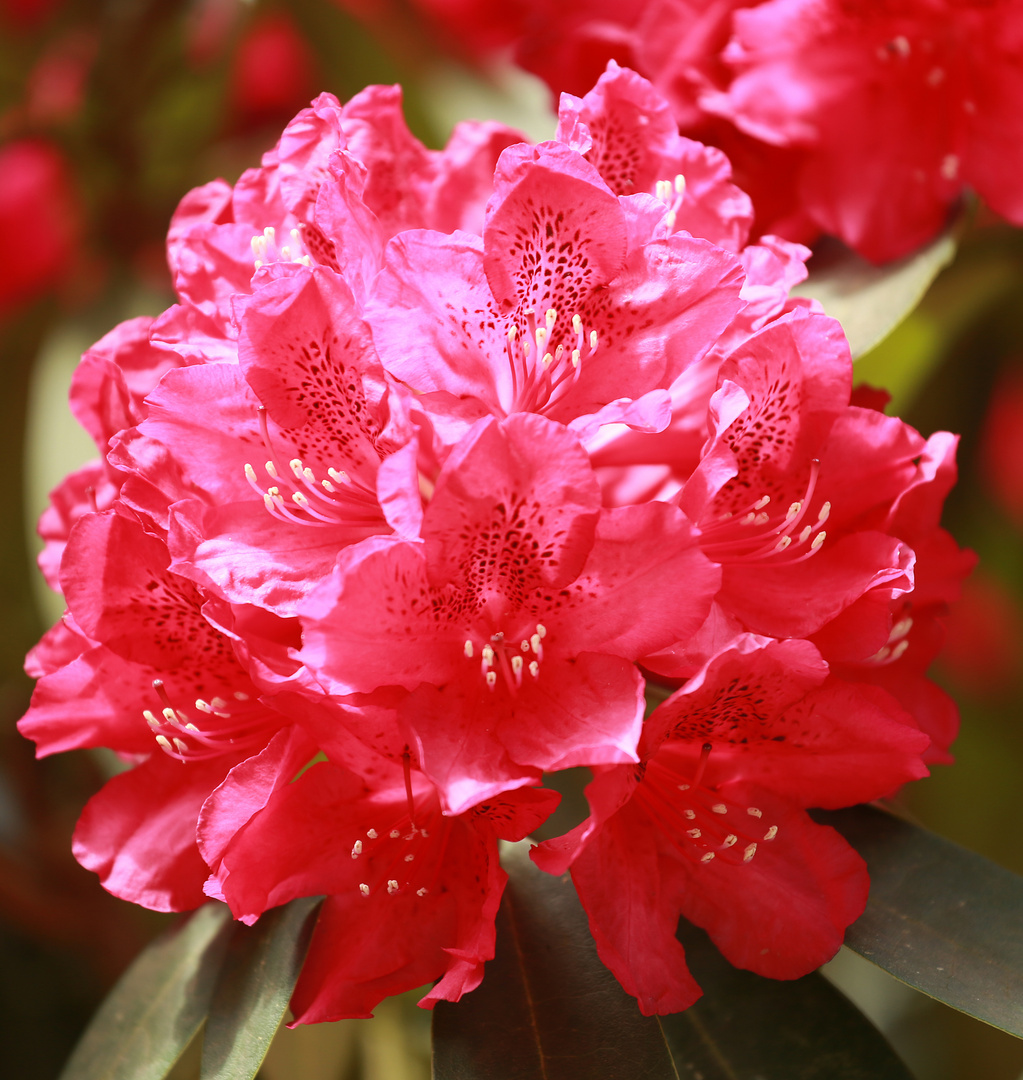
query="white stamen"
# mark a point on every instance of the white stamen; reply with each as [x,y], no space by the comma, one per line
[719,808]
[491,679]
[250,473]
[356,849]
[689,814]
[468,650]
[392,887]
[694,833]
[240,695]
[818,540]
[364,889]
[754,812]
[164,742]
[421,892]
[730,839]
[394,834]
[534,669]
[409,858]
[707,857]
[771,833]
[825,513]
[372,834]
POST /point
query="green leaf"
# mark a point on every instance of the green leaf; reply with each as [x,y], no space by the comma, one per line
[746,1027]
[157,1006]
[547,1009]
[870,301]
[259,973]
[940,918]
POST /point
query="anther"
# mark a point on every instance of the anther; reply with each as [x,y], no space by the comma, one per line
[754,812]
[690,814]
[468,650]
[730,839]
[825,512]
[372,834]
[392,887]
[394,834]
[818,540]
[250,473]
[707,858]
[749,853]
[771,833]
[694,833]
[421,892]
[364,889]
[180,746]
[719,808]
[356,849]
[491,679]
[534,669]
[409,858]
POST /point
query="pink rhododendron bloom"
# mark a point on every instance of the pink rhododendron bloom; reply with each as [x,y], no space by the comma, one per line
[524,603]
[422,886]
[440,456]
[570,304]
[307,405]
[144,664]
[712,824]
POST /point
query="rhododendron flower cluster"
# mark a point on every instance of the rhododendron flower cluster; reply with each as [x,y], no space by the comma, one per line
[865,121]
[441,464]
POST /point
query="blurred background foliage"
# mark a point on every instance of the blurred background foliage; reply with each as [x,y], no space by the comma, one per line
[109,111]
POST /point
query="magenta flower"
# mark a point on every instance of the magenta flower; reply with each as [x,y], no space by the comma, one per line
[285,448]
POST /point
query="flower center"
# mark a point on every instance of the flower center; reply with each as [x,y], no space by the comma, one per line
[265,248]
[509,656]
[542,368]
[701,824]
[753,533]
[227,726]
[671,193]
[298,496]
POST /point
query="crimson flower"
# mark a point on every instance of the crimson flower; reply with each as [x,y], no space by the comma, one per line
[421,886]
[146,665]
[524,603]
[712,824]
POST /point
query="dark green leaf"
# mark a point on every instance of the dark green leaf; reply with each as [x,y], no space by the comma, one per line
[547,1009]
[158,1005]
[252,993]
[870,301]
[746,1027]
[942,919]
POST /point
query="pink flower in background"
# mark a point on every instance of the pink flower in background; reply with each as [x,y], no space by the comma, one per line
[36,186]
[1002,445]
[898,107]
